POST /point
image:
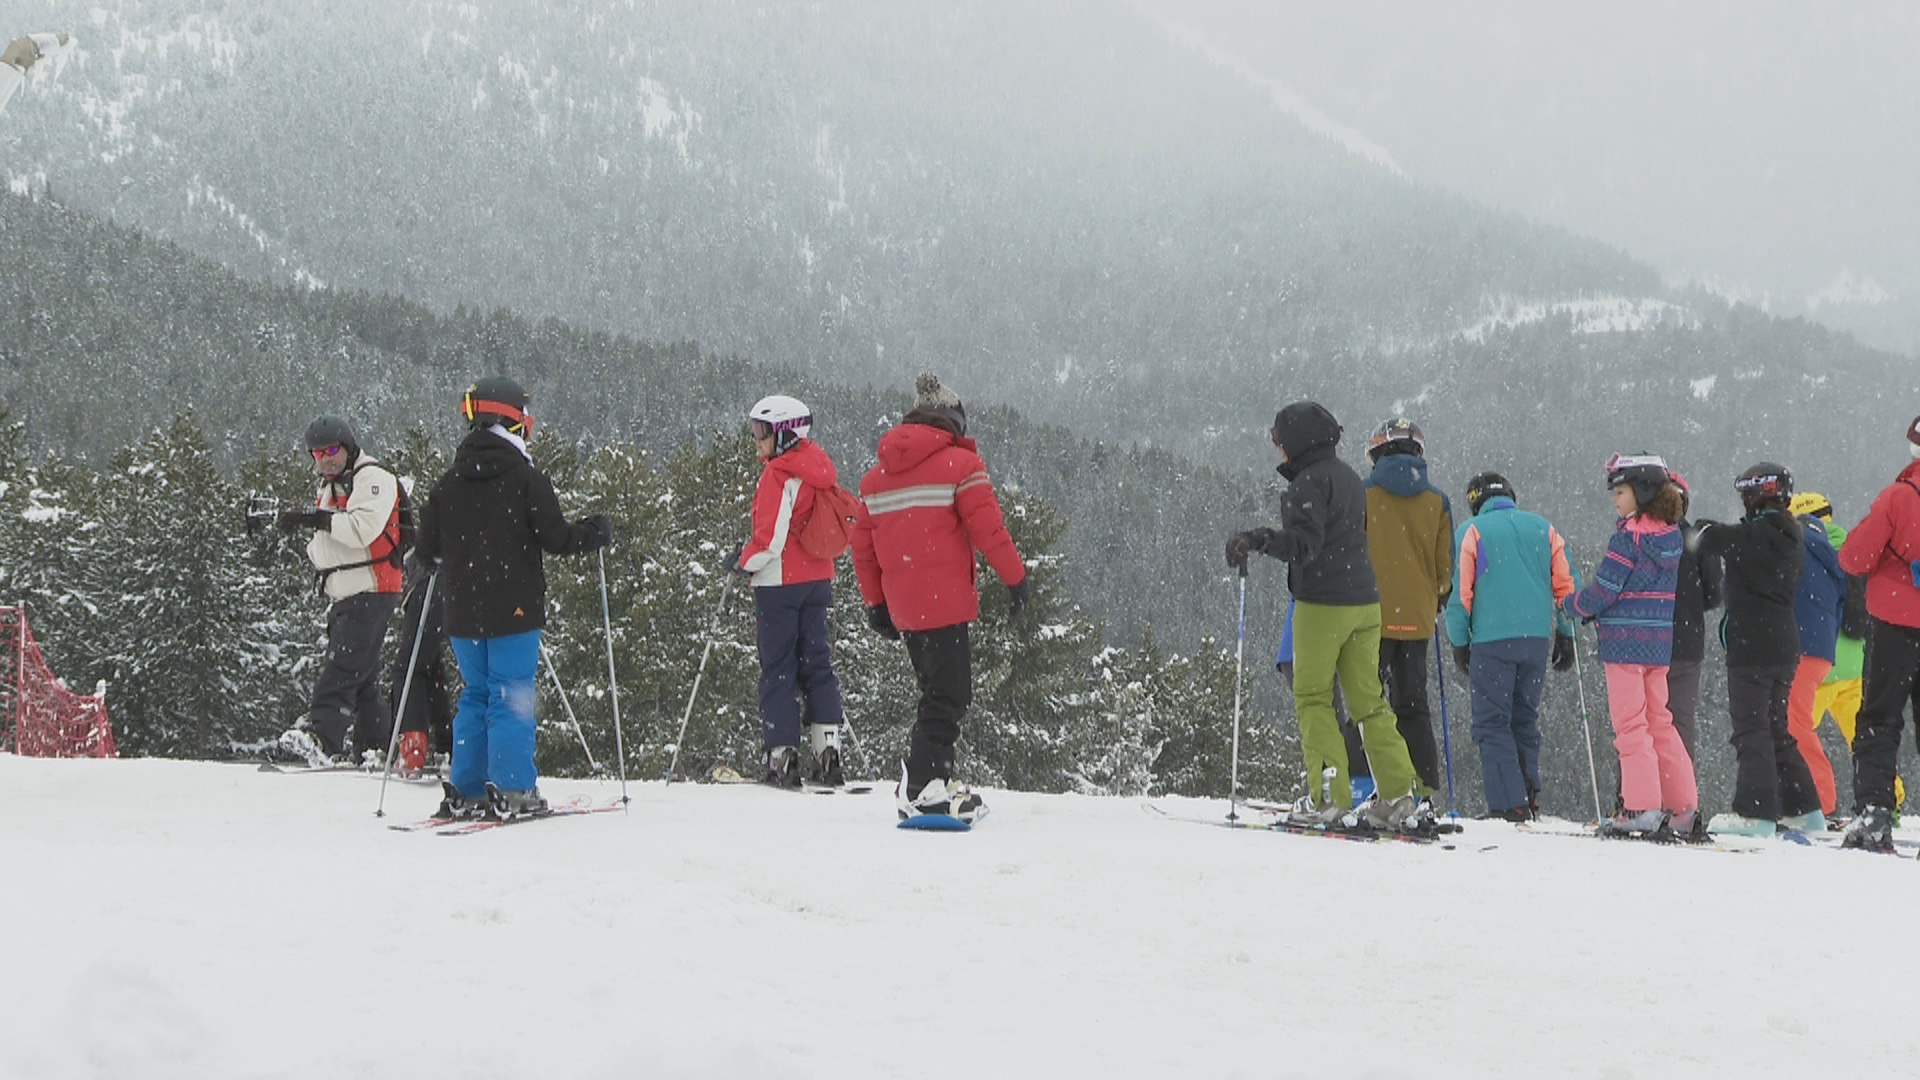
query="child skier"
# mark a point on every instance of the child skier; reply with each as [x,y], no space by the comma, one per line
[1410,540]
[1838,695]
[488,525]
[1817,608]
[1697,592]
[1323,538]
[1632,596]
[1509,574]
[792,592]
[1763,555]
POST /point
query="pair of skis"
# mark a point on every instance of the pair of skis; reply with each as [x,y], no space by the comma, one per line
[1440,833]
[727,774]
[577,807]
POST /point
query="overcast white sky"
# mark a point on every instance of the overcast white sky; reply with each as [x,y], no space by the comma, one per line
[1768,145]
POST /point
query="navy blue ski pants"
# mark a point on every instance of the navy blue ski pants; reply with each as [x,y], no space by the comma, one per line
[797,683]
[1508,678]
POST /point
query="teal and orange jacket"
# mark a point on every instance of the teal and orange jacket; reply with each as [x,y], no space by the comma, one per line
[1510,571]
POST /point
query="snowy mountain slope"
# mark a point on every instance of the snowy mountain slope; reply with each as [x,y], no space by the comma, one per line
[1011,191]
[177,920]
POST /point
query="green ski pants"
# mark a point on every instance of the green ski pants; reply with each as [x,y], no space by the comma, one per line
[1343,641]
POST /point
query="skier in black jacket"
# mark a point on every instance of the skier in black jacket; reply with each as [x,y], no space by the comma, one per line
[487,524]
[1698,591]
[1336,632]
[1763,554]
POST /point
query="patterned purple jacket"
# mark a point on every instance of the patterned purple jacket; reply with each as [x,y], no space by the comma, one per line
[1631,593]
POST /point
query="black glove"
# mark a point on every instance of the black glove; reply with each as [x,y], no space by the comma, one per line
[1239,545]
[599,530]
[733,562]
[1562,652]
[882,622]
[312,517]
[1463,658]
[1017,597]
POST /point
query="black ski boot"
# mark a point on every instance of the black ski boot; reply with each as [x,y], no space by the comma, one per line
[1870,830]
[457,807]
[507,805]
[783,767]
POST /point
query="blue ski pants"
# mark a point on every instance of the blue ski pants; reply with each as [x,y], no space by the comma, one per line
[797,683]
[493,730]
[1508,678]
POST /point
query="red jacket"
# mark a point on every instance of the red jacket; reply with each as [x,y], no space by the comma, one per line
[923,511]
[1884,547]
[781,504]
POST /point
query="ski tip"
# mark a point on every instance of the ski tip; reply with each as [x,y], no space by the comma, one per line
[934,823]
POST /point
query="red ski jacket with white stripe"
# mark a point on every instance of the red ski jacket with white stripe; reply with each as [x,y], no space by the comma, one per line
[924,510]
[781,504]
[1885,547]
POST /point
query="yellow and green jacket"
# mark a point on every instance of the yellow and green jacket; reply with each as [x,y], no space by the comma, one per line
[1410,538]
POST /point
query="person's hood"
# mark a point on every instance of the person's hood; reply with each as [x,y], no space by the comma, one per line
[1400,474]
[1304,425]
[1497,502]
[908,444]
[485,454]
[1297,463]
[807,461]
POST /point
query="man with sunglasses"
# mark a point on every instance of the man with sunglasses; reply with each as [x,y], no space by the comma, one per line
[356,530]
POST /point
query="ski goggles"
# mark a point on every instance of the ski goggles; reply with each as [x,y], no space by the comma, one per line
[321,453]
[517,419]
[1620,463]
[761,429]
[1760,484]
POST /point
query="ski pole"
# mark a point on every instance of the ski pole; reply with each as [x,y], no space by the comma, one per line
[613,683]
[1593,774]
[393,739]
[673,764]
[547,655]
[1446,747]
[855,743]
[1239,655]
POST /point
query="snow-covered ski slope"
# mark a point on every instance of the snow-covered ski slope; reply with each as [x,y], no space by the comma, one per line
[173,920]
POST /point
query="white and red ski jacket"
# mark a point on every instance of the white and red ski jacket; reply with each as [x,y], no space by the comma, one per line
[361,534]
[781,504]
[924,510]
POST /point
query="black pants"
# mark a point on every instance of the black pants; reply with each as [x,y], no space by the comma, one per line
[1891,679]
[943,664]
[347,694]
[1770,777]
[430,700]
[1403,675]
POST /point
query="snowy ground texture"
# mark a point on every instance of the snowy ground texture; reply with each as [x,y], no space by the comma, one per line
[173,920]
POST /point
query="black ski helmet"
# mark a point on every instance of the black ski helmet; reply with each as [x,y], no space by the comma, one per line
[497,399]
[328,431]
[1762,483]
[1647,474]
[1486,486]
[1396,436]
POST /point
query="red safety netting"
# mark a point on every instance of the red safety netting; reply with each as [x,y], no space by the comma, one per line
[42,717]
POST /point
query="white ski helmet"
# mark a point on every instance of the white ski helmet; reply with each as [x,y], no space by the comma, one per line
[785,418]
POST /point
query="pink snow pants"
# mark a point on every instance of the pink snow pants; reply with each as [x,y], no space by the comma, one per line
[1655,771]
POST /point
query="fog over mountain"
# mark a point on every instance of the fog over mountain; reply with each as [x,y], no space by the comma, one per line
[1086,212]
[1764,148]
